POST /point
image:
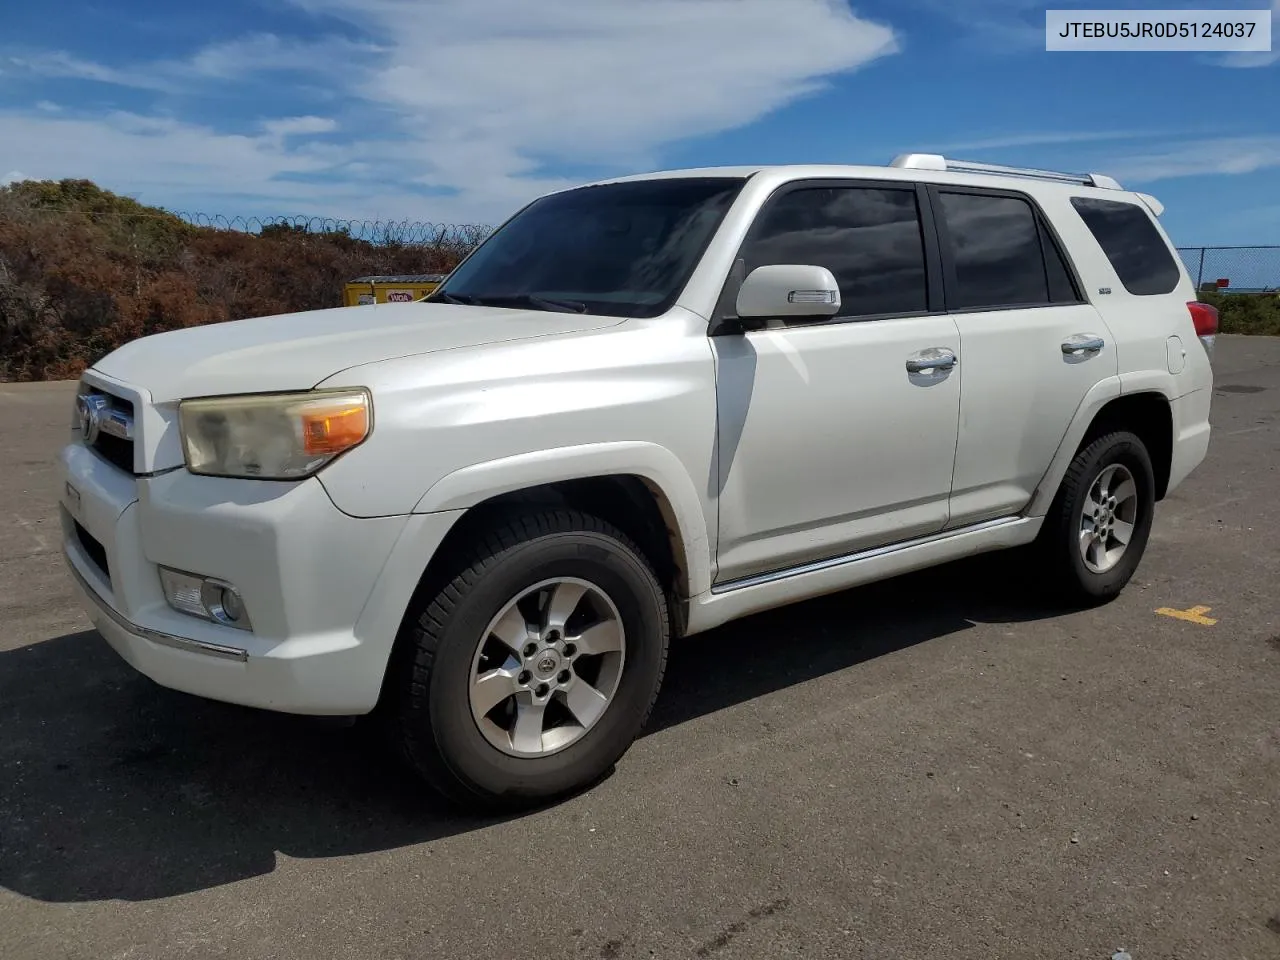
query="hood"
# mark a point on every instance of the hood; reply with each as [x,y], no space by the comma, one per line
[295,351]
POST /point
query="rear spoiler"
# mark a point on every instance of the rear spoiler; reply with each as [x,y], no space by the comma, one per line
[1154,205]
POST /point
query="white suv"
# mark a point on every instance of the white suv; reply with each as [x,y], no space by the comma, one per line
[640,409]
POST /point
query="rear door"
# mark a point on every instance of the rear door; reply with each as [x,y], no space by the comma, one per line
[1032,346]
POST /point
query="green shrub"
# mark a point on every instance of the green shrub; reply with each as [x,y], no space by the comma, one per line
[1257,314]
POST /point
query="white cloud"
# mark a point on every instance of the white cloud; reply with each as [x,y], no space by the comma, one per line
[194,168]
[612,73]
[157,158]
[1150,157]
[997,26]
[474,98]
[13,176]
[1212,155]
[299,126]
[62,65]
[267,52]
[1018,26]
[1047,138]
[243,59]
[1247,60]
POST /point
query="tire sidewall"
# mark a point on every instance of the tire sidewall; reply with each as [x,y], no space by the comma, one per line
[1125,449]
[598,559]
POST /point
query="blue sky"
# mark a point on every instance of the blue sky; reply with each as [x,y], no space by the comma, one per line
[460,110]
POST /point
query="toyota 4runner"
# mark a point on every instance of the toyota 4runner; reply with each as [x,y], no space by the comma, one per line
[640,409]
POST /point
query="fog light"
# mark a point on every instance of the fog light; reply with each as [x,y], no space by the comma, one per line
[231,603]
[223,603]
[204,597]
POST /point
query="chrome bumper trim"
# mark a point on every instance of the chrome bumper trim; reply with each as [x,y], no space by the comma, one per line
[155,636]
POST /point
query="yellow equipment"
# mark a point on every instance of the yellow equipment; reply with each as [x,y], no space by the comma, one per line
[397,289]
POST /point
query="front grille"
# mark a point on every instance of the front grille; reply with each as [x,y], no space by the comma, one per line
[93,549]
[115,450]
[112,439]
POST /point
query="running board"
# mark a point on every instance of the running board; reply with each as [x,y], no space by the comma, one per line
[754,594]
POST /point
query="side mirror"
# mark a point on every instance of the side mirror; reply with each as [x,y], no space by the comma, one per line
[788,290]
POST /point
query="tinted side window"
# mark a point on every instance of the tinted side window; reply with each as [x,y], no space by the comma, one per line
[1061,287]
[995,246]
[868,238]
[1131,242]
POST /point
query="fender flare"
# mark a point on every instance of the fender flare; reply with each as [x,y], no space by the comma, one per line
[1099,395]
[469,486]
[1154,382]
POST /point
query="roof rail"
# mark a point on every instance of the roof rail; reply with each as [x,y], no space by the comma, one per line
[934,161]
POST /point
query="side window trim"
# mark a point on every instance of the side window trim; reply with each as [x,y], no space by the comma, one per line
[1044,231]
[725,313]
[1049,237]
[935,290]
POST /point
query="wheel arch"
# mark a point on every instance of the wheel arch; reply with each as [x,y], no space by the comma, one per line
[1149,415]
[640,487]
[635,504]
[1146,412]
[632,503]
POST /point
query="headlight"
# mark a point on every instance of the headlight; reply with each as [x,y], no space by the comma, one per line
[273,436]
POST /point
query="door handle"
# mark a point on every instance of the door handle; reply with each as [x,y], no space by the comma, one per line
[937,358]
[1081,344]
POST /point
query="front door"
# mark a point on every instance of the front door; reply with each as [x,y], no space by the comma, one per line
[837,435]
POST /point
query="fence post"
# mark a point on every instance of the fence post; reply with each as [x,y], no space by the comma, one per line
[1200,273]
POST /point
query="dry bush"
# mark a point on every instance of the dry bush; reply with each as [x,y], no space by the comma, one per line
[84,271]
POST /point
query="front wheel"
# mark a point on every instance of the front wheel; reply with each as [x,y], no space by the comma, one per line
[1096,531]
[530,673]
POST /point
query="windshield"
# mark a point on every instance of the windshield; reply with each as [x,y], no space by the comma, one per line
[619,249]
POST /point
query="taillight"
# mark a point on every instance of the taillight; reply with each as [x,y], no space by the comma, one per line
[1205,318]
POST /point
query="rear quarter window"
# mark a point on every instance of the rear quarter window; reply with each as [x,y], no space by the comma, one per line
[1138,253]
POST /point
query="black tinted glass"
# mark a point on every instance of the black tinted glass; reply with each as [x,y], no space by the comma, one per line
[868,238]
[1061,288]
[996,251]
[622,249]
[1131,242]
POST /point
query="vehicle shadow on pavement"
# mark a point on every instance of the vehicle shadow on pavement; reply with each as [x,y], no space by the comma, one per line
[114,788]
[790,645]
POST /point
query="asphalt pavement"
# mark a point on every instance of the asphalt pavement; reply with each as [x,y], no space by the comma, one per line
[934,767]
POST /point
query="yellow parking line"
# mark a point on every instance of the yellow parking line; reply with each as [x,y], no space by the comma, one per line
[1191,615]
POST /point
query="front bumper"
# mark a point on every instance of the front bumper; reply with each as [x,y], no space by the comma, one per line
[324,591]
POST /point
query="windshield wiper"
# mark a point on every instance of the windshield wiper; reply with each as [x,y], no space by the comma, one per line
[454,298]
[533,300]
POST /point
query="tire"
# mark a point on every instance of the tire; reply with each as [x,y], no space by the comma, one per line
[1097,575]
[451,638]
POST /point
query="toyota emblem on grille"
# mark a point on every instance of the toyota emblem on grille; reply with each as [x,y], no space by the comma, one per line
[89,408]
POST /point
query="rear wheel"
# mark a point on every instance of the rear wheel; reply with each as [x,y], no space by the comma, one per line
[1097,529]
[530,673]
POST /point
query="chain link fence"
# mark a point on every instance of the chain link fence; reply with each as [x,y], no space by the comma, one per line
[454,239]
[461,236]
[1246,269]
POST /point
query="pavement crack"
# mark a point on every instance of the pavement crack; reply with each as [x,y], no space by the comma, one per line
[754,915]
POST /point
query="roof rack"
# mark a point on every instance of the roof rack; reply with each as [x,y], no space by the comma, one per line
[934,161]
